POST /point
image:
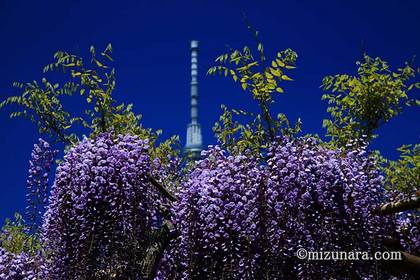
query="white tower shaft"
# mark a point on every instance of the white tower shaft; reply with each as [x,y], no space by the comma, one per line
[194,139]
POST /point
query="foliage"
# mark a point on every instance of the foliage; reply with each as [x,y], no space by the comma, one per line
[361,103]
[40,103]
[43,103]
[101,210]
[240,220]
[16,238]
[236,216]
[238,137]
[95,81]
[404,174]
[252,135]
[262,81]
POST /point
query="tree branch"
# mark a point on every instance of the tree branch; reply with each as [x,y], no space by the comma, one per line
[162,189]
[267,119]
[155,251]
[409,264]
[399,206]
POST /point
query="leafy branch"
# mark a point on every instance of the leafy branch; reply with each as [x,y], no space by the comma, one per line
[15,237]
[361,103]
[41,104]
[262,82]
[404,174]
[95,81]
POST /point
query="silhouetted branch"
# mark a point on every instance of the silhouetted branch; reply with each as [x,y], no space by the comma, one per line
[409,264]
[399,206]
[155,251]
[162,189]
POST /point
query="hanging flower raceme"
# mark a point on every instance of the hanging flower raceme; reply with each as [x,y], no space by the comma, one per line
[42,158]
[99,216]
[322,200]
[217,217]
[408,229]
[407,224]
[239,220]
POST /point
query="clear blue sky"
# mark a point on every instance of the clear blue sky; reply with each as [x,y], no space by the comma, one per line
[151,49]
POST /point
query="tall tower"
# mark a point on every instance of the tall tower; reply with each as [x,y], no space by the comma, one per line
[194,140]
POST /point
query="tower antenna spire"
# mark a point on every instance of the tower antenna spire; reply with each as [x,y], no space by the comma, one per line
[194,140]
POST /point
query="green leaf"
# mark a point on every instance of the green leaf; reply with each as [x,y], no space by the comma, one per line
[275,72]
[100,64]
[280,63]
[235,78]
[286,78]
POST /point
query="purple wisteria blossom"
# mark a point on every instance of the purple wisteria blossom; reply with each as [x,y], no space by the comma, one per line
[407,225]
[100,211]
[218,219]
[42,158]
[21,266]
[322,200]
[239,219]
[408,228]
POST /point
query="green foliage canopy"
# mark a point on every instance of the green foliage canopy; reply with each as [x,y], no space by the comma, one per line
[404,174]
[359,104]
[42,103]
[15,237]
[263,81]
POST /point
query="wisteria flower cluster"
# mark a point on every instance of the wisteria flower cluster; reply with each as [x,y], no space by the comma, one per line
[217,218]
[99,214]
[167,173]
[238,219]
[42,158]
[322,200]
[21,266]
[408,229]
[407,224]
